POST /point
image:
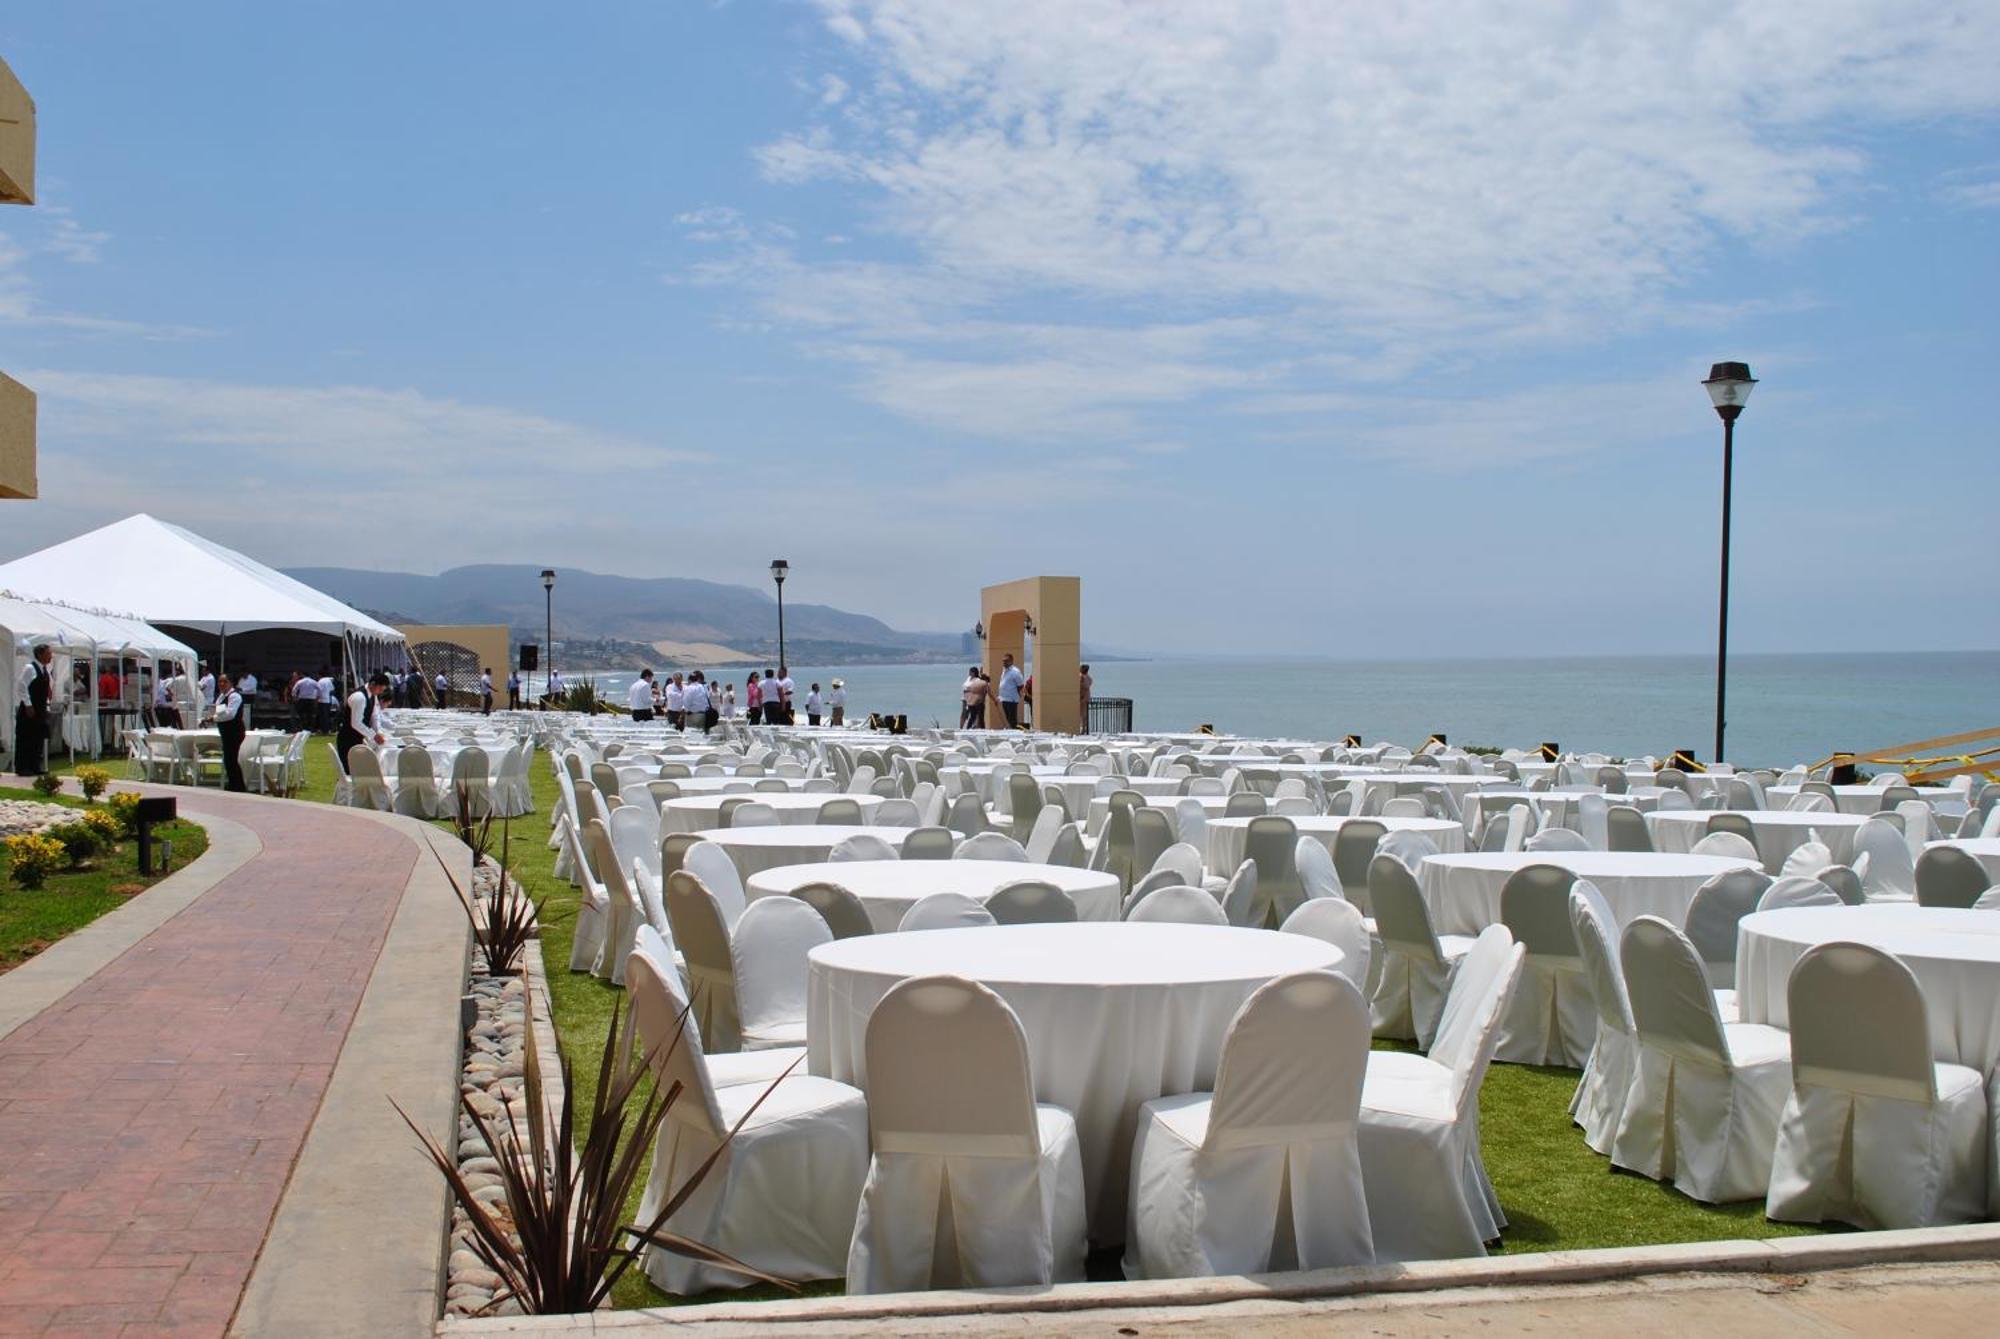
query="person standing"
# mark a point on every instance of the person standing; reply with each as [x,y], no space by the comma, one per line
[358,724]
[1082,698]
[229,713]
[970,694]
[836,698]
[246,684]
[639,696]
[1010,691]
[675,696]
[206,683]
[774,702]
[305,701]
[813,704]
[729,700]
[697,703]
[443,687]
[486,691]
[34,689]
[787,695]
[329,701]
[753,698]
[513,690]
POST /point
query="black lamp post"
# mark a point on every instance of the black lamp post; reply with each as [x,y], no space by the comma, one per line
[549,626]
[1729,388]
[779,569]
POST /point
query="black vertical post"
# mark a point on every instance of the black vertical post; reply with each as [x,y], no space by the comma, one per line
[549,634]
[1729,413]
[781,625]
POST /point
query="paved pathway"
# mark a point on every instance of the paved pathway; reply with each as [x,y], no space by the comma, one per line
[149,1119]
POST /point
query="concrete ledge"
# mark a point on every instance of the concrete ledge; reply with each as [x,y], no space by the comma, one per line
[356,1247]
[63,966]
[1024,1307]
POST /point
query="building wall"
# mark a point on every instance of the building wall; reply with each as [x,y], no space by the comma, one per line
[17,187]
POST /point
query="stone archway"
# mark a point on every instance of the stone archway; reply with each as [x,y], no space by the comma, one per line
[1053,607]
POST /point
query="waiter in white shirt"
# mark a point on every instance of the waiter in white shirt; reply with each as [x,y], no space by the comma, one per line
[246,684]
[676,699]
[206,683]
[34,689]
[229,715]
[640,696]
[785,694]
[442,685]
[697,705]
[361,723]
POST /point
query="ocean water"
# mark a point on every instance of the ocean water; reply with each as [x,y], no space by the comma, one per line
[1782,708]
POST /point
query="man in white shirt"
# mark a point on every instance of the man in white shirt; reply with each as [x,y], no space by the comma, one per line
[675,695]
[837,699]
[206,683]
[486,691]
[697,703]
[812,705]
[246,684]
[229,723]
[1010,691]
[640,696]
[305,702]
[785,694]
[442,686]
[34,690]
[329,702]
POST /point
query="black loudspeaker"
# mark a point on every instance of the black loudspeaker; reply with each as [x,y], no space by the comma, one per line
[1843,773]
[1684,760]
[531,656]
[1350,741]
[1551,751]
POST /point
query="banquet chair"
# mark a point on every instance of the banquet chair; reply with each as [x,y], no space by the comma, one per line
[1113,852]
[1294,806]
[1625,829]
[931,843]
[1599,1101]
[1874,1132]
[862,846]
[1183,861]
[1739,824]
[416,783]
[895,813]
[1069,849]
[1152,833]
[674,847]
[946,911]
[1556,839]
[844,913]
[621,910]
[768,948]
[702,935]
[768,785]
[1264,1173]
[1158,879]
[1712,914]
[1702,1112]
[886,788]
[1810,802]
[605,777]
[1416,963]
[844,809]
[1593,820]
[1191,823]
[1728,844]
[967,816]
[593,911]
[973,1182]
[862,781]
[1338,922]
[1428,1194]
[1244,804]
[726,807]
[990,846]
[1807,859]
[1314,865]
[1845,881]
[369,789]
[717,872]
[1552,1019]
[675,771]
[1409,848]
[635,835]
[1613,780]
[1024,801]
[1405,806]
[1272,842]
[1243,905]
[662,791]
[788,1154]
[1894,795]
[1178,905]
[1353,848]
[1041,838]
[1950,877]
[1891,875]
[1031,902]
[652,894]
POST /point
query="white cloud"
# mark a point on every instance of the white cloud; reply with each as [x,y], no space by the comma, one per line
[1376,184]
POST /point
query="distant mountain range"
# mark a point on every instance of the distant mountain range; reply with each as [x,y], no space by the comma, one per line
[727,623]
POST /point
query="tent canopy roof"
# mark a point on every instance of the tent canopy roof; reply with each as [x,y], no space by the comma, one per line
[172,575]
[79,631]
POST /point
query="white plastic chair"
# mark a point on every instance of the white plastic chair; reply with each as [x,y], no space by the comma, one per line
[789,1155]
[1428,1194]
[946,911]
[1336,921]
[1874,1133]
[768,946]
[977,1155]
[1264,1173]
[1702,1112]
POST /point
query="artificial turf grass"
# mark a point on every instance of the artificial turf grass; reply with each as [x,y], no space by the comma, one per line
[31,919]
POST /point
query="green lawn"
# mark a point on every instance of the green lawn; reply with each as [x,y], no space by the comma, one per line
[1557,1193]
[33,919]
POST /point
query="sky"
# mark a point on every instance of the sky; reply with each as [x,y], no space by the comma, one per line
[1292,328]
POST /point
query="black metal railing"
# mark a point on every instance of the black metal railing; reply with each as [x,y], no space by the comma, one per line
[1109,716]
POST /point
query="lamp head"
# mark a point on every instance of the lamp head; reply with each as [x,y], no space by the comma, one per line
[1729,386]
[548,578]
[979,630]
[779,567]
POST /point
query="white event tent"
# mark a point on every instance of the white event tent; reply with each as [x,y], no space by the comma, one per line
[86,635]
[170,575]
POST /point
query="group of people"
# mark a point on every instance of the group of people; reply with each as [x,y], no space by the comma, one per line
[1015,693]
[691,700]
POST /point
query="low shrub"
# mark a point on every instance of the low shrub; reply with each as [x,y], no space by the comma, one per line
[109,827]
[124,806]
[79,842]
[33,857]
[94,781]
[48,783]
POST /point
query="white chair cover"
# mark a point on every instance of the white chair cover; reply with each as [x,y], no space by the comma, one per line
[1808,857]
[1556,839]
[1415,962]
[1179,905]
[1552,1019]
[973,1183]
[622,911]
[1797,890]
[1702,1112]
[1607,1076]
[1265,1172]
[768,946]
[862,846]
[593,905]
[991,846]
[782,1192]
[702,936]
[1338,922]
[1892,874]
[369,789]
[945,911]
[1874,1133]
[1315,869]
[416,783]
[712,865]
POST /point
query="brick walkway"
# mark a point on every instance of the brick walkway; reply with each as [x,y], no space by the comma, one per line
[149,1120]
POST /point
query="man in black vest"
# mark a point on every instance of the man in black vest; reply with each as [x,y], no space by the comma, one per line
[33,691]
[229,723]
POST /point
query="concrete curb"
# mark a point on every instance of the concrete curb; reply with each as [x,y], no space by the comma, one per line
[357,1245]
[43,980]
[909,1311]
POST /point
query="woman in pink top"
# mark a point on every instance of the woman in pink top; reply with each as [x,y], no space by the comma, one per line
[752,696]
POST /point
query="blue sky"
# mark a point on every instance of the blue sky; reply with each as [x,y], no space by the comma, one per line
[1289,327]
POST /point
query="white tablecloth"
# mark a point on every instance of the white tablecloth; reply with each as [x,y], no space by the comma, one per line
[1778,833]
[1560,805]
[1227,836]
[1859,799]
[888,888]
[692,813]
[1115,1015]
[1954,953]
[757,849]
[1463,891]
[1986,850]
[736,785]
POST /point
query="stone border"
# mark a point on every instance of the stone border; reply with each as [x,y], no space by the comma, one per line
[357,1246]
[1071,1303]
[44,979]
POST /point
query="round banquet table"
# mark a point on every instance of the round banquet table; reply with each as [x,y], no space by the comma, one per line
[1212,807]
[1778,832]
[755,850]
[1115,1014]
[1463,891]
[1561,805]
[1079,792]
[693,813]
[1953,952]
[740,785]
[1860,799]
[1227,836]
[1986,850]
[888,888]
